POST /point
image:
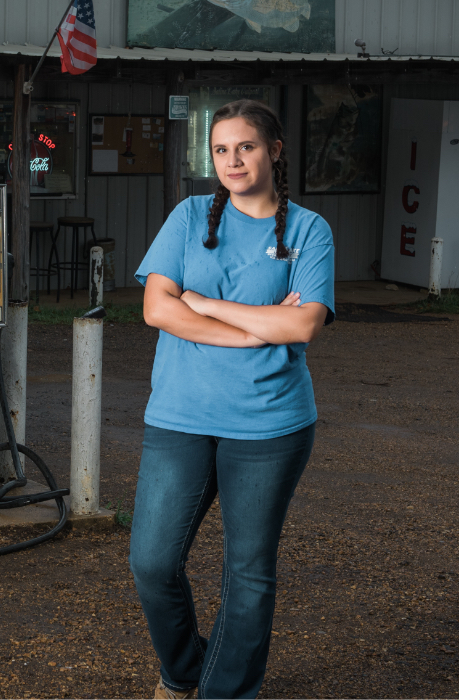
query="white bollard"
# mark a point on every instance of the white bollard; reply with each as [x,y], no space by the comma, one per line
[436,258]
[86,407]
[14,360]
[96,276]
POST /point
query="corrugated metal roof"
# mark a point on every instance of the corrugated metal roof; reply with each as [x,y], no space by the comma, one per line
[216,55]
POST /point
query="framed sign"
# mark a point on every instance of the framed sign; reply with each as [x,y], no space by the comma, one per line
[234,25]
[3,257]
[342,149]
[125,145]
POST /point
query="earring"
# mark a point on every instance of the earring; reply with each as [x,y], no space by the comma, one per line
[276,159]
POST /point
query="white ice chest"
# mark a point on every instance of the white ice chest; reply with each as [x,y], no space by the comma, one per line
[422,191]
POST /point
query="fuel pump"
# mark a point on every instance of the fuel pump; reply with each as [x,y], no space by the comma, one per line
[54,493]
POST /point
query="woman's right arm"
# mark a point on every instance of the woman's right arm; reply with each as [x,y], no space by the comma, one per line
[164,309]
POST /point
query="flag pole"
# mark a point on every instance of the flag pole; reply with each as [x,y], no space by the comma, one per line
[28,86]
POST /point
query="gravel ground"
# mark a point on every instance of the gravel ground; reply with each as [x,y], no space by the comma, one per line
[367,602]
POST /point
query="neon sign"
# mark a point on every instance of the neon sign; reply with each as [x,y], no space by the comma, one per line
[41,161]
[39,164]
[44,139]
[47,141]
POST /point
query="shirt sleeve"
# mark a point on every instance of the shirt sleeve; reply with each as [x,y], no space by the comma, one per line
[166,254]
[314,273]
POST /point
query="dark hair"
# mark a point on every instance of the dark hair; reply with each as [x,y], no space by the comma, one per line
[269,128]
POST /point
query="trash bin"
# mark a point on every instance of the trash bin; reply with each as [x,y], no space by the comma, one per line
[108,246]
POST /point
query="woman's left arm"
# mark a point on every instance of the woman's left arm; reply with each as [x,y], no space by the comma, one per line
[277,324]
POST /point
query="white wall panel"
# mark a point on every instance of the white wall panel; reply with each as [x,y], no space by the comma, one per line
[33,21]
[427,27]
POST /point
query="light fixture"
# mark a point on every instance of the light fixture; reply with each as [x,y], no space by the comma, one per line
[362,45]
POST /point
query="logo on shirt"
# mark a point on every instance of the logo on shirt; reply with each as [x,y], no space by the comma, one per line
[293,254]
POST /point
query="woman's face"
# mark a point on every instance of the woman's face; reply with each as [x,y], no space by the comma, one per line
[241,158]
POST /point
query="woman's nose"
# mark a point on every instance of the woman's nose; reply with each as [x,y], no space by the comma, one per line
[234,160]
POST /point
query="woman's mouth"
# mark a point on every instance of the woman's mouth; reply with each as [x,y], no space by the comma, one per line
[237,176]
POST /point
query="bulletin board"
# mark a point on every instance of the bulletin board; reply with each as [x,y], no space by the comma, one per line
[123,145]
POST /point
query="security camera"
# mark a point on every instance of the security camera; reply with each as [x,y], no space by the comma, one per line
[362,45]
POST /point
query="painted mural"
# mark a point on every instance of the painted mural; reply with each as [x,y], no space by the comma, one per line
[304,26]
[342,139]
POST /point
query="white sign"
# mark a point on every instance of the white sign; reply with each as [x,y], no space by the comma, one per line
[105,161]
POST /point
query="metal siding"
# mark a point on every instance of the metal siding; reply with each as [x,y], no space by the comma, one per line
[128,209]
[33,21]
[411,26]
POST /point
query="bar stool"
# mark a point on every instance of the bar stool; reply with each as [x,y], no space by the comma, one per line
[75,223]
[37,228]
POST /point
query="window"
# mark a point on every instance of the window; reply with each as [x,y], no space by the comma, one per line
[204,102]
[52,148]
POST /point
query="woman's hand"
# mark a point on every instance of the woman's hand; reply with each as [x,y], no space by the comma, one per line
[198,303]
[195,301]
[293,299]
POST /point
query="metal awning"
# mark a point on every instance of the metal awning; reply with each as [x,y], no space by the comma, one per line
[217,55]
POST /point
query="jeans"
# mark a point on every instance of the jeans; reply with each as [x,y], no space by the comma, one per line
[180,474]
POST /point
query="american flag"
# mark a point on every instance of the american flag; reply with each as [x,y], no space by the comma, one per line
[77,37]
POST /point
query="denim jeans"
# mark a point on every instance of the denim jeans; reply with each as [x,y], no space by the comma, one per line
[180,474]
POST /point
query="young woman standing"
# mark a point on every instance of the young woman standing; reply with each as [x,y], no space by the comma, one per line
[239,283]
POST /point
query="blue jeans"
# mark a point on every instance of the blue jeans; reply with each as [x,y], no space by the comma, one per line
[180,474]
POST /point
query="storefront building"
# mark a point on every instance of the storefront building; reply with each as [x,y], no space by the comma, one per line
[99,139]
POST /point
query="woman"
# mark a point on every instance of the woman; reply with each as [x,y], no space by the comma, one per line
[237,293]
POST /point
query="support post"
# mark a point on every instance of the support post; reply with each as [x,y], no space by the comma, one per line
[86,415]
[14,337]
[20,188]
[172,143]
[14,353]
[96,276]
[436,259]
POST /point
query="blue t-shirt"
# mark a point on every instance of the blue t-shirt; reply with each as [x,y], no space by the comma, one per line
[244,393]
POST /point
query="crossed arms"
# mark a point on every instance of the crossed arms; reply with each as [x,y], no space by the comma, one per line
[196,318]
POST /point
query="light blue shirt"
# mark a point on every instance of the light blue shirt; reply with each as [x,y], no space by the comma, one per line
[244,393]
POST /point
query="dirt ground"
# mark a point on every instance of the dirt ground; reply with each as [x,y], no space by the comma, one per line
[368,570]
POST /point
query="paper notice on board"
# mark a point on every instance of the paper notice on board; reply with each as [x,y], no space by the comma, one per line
[145,120]
[161,130]
[58,182]
[97,131]
[105,161]
[158,122]
[146,134]
[146,127]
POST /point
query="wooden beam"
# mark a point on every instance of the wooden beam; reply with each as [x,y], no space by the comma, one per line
[21,187]
[172,142]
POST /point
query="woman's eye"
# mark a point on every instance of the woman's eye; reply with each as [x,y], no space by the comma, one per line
[220,150]
[247,146]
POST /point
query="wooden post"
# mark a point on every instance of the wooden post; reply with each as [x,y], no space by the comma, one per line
[21,187]
[14,336]
[172,143]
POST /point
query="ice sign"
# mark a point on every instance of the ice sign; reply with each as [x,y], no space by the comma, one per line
[3,257]
[178,107]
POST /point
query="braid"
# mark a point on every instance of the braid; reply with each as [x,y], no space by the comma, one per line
[280,177]
[215,213]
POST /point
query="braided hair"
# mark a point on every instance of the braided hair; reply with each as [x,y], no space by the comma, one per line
[269,128]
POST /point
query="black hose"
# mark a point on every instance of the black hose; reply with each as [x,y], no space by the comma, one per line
[7,502]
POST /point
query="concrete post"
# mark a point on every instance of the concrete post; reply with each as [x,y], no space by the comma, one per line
[96,276]
[14,356]
[436,258]
[86,407]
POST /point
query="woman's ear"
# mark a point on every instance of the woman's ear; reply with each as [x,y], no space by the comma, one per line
[275,151]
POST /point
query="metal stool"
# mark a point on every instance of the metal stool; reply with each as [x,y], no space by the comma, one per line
[75,223]
[36,229]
